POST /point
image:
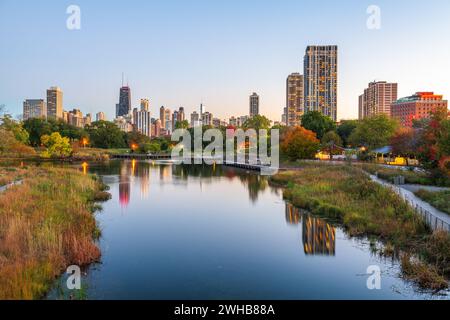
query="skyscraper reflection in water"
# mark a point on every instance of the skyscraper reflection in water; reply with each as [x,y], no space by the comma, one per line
[318,236]
[124,184]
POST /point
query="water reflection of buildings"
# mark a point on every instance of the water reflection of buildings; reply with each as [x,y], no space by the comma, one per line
[141,170]
[318,236]
[133,169]
[124,184]
[165,172]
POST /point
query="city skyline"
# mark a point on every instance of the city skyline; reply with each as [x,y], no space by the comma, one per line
[211,62]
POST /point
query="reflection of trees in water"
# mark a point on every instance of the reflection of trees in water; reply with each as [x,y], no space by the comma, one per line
[125,169]
[255,183]
[318,236]
[198,171]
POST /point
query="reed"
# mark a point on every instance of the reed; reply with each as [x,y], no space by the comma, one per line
[46,224]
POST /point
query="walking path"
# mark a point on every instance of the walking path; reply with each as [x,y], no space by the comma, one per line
[9,185]
[434,218]
[417,187]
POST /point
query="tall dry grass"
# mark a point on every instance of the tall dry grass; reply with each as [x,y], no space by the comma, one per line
[46,224]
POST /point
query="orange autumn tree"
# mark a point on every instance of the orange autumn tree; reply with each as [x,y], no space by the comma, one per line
[300,143]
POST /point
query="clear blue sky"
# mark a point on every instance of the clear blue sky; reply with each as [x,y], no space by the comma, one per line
[179,52]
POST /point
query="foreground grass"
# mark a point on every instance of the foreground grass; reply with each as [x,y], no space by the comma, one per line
[46,224]
[440,200]
[10,175]
[411,177]
[367,209]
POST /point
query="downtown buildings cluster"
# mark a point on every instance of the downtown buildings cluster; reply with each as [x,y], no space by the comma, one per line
[314,90]
[381,98]
[53,109]
[130,119]
[140,119]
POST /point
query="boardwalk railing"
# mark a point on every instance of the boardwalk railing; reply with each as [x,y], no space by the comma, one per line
[154,156]
[433,221]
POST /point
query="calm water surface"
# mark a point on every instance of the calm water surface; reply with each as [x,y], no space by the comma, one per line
[177,232]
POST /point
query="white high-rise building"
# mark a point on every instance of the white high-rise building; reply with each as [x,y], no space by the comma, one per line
[143,122]
[320,80]
[34,108]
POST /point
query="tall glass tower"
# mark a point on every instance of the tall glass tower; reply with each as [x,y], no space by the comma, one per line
[124,106]
[320,80]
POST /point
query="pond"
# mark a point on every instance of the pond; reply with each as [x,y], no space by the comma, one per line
[202,232]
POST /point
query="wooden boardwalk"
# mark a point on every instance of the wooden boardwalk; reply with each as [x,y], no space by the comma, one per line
[139,156]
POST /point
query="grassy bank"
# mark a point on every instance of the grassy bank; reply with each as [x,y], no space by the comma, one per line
[46,224]
[90,154]
[440,200]
[411,177]
[365,208]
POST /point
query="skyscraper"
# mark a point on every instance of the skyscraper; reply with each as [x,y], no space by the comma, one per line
[156,128]
[162,113]
[168,120]
[181,115]
[377,99]
[174,119]
[34,108]
[320,80]
[145,105]
[254,105]
[195,119]
[207,118]
[54,103]
[232,121]
[124,105]
[142,121]
[100,116]
[294,99]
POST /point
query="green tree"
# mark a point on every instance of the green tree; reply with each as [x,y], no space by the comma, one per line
[318,123]
[67,130]
[345,129]
[330,141]
[36,128]
[153,147]
[182,124]
[16,128]
[56,146]
[136,138]
[105,134]
[373,132]
[10,146]
[257,122]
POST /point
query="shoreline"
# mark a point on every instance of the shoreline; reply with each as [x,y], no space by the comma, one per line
[47,224]
[365,208]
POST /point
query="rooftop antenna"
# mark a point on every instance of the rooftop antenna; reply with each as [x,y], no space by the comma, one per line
[122,79]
